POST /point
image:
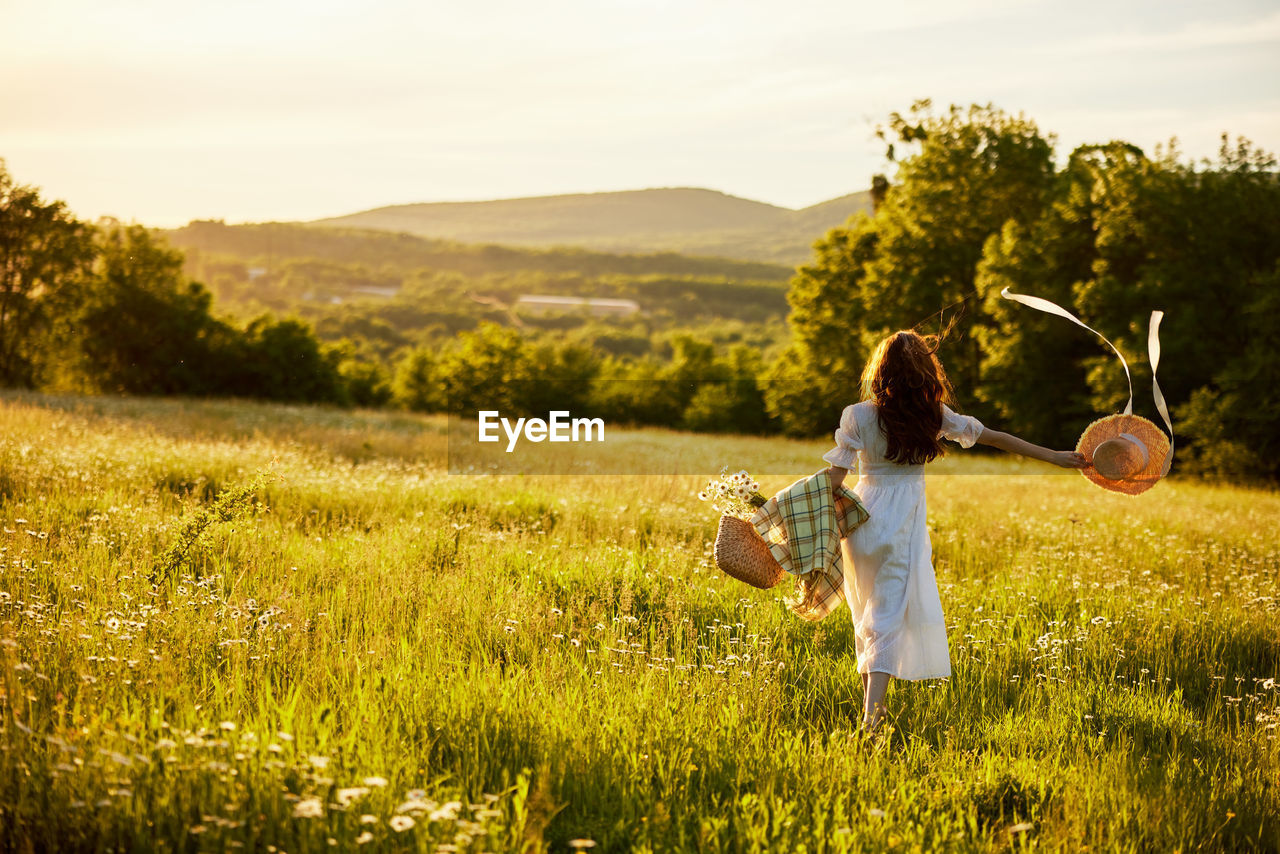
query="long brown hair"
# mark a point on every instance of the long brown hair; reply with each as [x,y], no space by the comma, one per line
[908,385]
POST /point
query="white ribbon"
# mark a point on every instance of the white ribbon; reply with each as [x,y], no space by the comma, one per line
[1053,308]
[1153,352]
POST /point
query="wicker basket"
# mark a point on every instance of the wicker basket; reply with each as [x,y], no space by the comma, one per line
[743,554]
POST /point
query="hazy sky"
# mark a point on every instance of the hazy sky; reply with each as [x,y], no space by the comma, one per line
[163,111]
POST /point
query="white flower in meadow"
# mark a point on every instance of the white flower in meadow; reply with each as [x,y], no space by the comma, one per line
[447,812]
[229,726]
[346,796]
[319,761]
[364,837]
[308,808]
[401,823]
[580,844]
[375,781]
[368,819]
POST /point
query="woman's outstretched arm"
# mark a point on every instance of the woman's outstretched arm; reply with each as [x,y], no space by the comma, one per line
[1014,445]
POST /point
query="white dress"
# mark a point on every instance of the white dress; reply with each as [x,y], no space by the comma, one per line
[891,589]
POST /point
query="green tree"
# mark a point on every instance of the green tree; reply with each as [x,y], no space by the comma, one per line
[364,383]
[810,383]
[281,359]
[970,172]
[734,403]
[1035,366]
[1232,421]
[565,372]
[142,327]
[488,368]
[975,169]
[1193,241]
[417,385]
[638,391]
[44,251]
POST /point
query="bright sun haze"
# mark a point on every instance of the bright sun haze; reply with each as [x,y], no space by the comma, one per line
[164,112]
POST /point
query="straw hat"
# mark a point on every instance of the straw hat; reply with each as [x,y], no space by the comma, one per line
[1127,452]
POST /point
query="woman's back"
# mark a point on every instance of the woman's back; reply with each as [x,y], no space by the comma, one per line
[860,430]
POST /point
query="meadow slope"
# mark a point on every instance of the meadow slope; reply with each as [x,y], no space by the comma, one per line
[236,626]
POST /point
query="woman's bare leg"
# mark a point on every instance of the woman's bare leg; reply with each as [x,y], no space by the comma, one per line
[875,684]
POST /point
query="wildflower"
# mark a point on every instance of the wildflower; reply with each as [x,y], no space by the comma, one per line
[378,782]
[579,844]
[401,823]
[320,762]
[229,726]
[364,837]
[368,819]
[448,812]
[346,796]
[876,813]
[308,808]
[1022,827]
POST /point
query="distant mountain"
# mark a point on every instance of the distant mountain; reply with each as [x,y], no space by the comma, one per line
[690,221]
[210,244]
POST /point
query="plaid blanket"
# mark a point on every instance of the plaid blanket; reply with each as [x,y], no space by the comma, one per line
[803,525]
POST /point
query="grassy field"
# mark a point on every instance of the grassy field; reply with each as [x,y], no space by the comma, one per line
[242,627]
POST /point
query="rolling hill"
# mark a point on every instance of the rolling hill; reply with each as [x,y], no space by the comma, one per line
[267,245]
[690,221]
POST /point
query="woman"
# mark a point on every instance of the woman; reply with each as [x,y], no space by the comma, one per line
[889,581]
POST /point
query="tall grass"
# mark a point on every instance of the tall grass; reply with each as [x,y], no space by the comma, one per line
[370,653]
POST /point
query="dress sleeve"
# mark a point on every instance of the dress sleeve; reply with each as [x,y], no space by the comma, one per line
[964,429]
[848,442]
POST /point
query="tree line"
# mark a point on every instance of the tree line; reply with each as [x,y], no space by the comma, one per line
[978,203]
[105,307]
[1113,233]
